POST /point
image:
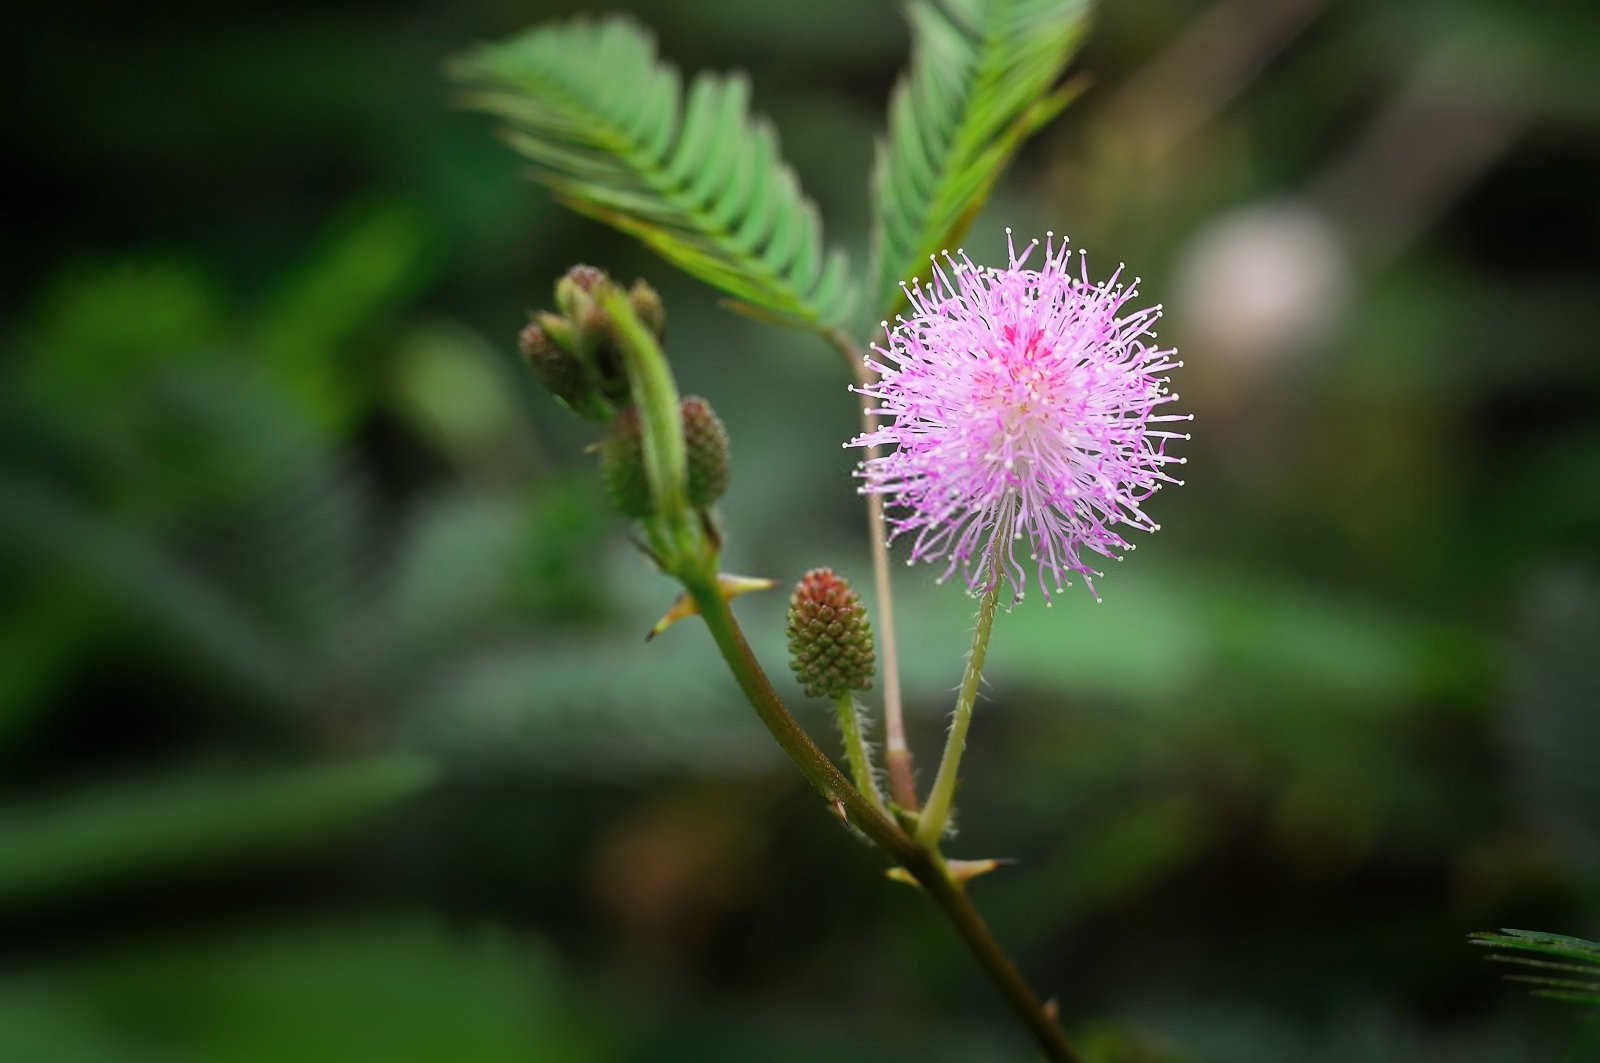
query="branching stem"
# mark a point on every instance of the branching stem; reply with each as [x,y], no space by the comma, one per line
[925,865]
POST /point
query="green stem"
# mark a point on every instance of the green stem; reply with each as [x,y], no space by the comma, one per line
[827,779]
[937,814]
[958,907]
[896,753]
[855,747]
[925,865]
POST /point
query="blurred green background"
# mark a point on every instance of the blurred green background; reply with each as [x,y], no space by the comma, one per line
[327,730]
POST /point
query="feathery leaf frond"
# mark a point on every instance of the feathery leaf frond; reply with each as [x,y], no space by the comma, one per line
[980,83]
[692,175]
[1574,963]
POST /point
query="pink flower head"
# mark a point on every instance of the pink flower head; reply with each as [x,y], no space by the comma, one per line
[1025,405]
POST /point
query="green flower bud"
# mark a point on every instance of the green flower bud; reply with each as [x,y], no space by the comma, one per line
[622,459]
[706,441]
[622,466]
[647,304]
[830,639]
[560,372]
[575,291]
[597,337]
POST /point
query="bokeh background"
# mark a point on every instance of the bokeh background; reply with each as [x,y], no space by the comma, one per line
[327,729]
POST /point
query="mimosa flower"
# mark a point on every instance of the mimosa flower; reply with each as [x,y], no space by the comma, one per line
[1022,405]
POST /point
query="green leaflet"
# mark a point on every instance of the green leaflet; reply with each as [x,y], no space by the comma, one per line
[693,176]
[1568,967]
[980,83]
[202,819]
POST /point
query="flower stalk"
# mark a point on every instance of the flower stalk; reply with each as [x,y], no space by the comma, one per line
[848,714]
[896,752]
[936,816]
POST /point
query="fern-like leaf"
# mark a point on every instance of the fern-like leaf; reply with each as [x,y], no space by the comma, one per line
[692,175]
[1559,967]
[982,79]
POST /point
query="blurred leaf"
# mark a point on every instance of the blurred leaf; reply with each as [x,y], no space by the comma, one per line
[979,85]
[1556,957]
[100,331]
[150,584]
[396,990]
[138,827]
[599,116]
[370,262]
[39,643]
[453,386]
[1130,850]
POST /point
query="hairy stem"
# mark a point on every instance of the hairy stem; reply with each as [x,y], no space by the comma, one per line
[925,865]
[896,753]
[855,747]
[937,814]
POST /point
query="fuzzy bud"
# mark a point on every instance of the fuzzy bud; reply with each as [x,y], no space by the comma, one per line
[648,306]
[706,441]
[561,374]
[622,466]
[575,291]
[830,638]
[622,459]
[597,336]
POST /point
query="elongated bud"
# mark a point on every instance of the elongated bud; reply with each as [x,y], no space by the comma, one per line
[560,372]
[647,304]
[622,466]
[830,639]
[575,290]
[706,441]
[597,337]
[622,458]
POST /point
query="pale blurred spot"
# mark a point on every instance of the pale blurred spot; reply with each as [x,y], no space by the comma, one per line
[1260,283]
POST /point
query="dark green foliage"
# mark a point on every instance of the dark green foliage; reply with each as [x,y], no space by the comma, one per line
[1557,966]
[277,490]
[136,829]
[694,177]
[980,83]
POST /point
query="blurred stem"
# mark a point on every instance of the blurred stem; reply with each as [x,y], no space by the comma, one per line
[896,753]
[855,748]
[937,814]
[924,864]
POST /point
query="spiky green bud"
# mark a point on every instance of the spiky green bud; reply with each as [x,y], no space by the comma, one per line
[647,304]
[622,466]
[830,638]
[598,338]
[575,291]
[706,445]
[706,441]
[560,372]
